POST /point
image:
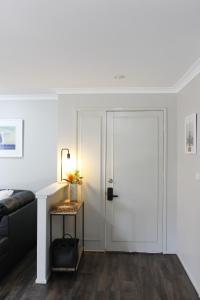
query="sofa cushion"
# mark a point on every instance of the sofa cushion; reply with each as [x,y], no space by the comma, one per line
[3,245]
[15,202]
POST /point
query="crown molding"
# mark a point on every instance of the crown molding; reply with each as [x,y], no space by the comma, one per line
[53,94]
[189,75]
[116,90]
[29,97]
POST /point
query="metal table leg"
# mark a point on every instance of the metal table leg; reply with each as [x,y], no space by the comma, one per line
[83,228]
[50,229]
[63,226]
[75,226]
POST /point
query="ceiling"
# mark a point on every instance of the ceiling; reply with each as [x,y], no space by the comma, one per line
[86,43]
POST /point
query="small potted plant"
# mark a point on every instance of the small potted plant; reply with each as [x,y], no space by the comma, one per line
[74,180]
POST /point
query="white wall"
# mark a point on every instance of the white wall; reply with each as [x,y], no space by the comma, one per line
[188,187]
[37,167]
[69,104]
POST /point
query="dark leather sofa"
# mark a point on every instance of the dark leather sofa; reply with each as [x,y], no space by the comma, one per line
[18,228]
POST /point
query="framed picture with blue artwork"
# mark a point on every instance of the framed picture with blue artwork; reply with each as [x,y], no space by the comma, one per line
[11,138]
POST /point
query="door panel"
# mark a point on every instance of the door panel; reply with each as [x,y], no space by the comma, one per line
[135,163]
[91,162]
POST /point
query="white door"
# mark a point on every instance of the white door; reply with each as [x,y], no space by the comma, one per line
[135,169]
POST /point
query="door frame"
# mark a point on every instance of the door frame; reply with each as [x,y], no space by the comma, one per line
[105,110]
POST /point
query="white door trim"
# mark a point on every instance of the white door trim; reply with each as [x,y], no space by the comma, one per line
[165,154]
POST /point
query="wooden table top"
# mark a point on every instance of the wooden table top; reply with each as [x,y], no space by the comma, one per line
[66,207]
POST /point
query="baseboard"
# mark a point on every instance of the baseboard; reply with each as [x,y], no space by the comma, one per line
[169,252]
[102,251]
[194,283]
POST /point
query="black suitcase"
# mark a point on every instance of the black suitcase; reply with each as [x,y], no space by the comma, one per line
[65,252]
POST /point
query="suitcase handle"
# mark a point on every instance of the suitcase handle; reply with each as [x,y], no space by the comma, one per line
[67,234]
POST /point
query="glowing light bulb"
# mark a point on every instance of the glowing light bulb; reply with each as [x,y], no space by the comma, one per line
[69,165]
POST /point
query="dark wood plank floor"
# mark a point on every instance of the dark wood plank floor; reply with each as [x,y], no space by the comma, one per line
[104,276]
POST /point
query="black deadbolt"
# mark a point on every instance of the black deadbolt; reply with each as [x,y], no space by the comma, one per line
[110,195]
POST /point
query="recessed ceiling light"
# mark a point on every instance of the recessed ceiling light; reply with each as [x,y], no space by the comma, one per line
[119,77]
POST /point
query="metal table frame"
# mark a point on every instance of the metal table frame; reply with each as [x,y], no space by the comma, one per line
[63,214]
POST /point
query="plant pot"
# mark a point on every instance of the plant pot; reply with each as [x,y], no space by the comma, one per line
[73,192]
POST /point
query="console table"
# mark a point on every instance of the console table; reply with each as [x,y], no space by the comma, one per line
[68,209]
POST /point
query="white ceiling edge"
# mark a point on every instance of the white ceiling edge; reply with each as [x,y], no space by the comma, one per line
[191,73]
[116,90]
[29,97]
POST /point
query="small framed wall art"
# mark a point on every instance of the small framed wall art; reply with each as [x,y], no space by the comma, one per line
[11,138]
[191,134]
